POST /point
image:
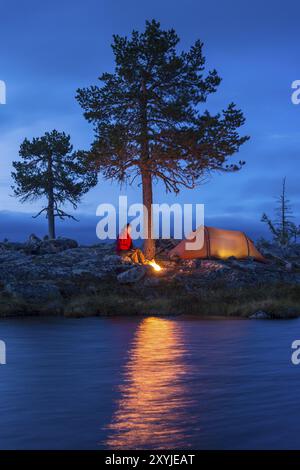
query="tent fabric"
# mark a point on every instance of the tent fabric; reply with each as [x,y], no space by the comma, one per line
[221,244]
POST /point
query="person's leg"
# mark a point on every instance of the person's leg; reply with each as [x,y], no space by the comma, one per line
[134,257]
[141,256]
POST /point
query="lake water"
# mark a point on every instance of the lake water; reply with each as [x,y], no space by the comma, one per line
[139,383]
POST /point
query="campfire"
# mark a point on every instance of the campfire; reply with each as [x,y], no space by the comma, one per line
[138,257]
[154,265]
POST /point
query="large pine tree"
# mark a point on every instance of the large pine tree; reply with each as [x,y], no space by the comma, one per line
[50,169]
[147,117]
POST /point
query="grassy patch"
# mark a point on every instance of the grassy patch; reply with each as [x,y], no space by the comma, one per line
[110,298]
[279,301]
[11,307]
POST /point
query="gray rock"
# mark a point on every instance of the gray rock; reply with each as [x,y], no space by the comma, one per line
[84,273]
[12,246]
[168,265]
[231,258]
[289,267]
[35,246]
[189,263]
[113,259]
[33,239]
[214,266]
[132,275]
[260,315]
[244,265]
[57,245]
[153,282]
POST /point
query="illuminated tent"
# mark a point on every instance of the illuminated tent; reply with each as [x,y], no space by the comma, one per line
[218,243]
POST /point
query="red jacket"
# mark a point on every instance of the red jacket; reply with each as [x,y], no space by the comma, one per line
[124,244]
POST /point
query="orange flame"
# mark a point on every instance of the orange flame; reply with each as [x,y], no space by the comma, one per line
[154,265]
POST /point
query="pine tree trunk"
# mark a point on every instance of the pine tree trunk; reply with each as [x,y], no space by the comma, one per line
[51,219]
[50,208]
[149,242]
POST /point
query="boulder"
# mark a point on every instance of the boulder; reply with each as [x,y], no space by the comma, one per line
[33,239]
[113,259]
[12,246]
[36,246]
[260,315]
[244,265]
[133,275]
[57,245]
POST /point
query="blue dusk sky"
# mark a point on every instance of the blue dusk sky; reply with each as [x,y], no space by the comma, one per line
[49,49]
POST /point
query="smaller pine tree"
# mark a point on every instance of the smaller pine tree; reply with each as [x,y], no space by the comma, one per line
[283,229]
[50,169]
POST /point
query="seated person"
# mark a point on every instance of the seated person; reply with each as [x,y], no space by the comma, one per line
[125,246]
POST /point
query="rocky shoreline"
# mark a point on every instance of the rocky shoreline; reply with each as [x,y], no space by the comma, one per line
[58,277]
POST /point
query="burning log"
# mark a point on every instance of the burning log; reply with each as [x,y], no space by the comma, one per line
[154,265]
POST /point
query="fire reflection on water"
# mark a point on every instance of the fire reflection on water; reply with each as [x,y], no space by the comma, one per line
[152,410]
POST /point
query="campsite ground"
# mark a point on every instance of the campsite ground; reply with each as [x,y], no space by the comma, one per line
[61,278]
